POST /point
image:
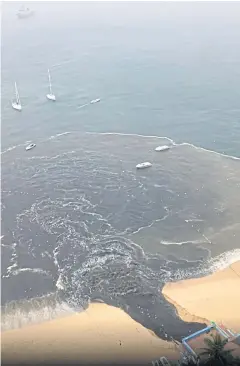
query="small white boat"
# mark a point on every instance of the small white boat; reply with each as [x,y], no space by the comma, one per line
[50,95]
[162,148]
[24,12]
[143,165]
[30,147]
[95,101]
[16,104]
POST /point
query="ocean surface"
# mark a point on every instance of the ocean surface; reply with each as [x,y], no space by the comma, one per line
[79,222]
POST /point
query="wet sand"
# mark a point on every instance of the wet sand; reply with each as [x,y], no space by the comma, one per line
[212,298]
[101,334]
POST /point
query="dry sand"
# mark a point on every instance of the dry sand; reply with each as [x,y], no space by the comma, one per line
[212,298]
[107,335]
[100,334]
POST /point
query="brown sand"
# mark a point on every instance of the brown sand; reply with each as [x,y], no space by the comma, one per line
[212,298]
[101,333]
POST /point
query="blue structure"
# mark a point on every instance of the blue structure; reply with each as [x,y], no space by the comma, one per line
[194,335]
[202,331]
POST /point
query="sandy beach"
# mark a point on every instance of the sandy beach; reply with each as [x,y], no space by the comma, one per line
[104,334]
[211,298]
[101,334]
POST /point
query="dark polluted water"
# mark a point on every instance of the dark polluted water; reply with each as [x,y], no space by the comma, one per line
[88,226]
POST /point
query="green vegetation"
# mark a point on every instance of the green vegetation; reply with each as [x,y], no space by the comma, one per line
[214,354]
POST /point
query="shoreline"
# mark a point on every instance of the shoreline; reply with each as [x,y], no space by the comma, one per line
[211,298]
[113,335]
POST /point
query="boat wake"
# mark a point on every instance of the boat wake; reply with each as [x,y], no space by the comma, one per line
[94,101]
[83,105]
[9,149]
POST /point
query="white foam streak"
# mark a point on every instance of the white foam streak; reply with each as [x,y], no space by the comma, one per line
[63,63]
[131,134]
[208,150]
[224,260]
[31,270]
[33,311]
[148,226]
[9,149]
[83,105]
[58,135]
[207,267]
[165,242]
[59,283]
[166,138]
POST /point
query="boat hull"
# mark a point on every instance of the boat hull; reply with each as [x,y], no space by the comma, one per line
[25,15]
[30,147]
[162,148]
[16,106]
[95,101]
[51,97]
[143,165]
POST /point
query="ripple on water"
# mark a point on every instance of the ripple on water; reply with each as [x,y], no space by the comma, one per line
[98,229]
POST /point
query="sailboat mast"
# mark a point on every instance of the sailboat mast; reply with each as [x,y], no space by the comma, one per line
[50,85]
[16,93]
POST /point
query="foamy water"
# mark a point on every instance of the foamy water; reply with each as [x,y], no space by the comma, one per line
[99,229]
[33,311]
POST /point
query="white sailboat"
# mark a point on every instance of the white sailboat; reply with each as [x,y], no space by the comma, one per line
[50,96]
[16,104]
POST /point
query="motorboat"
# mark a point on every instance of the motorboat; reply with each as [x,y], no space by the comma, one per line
[162,148]
[143,165]
[24,12]
[30,147]
[95,101]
